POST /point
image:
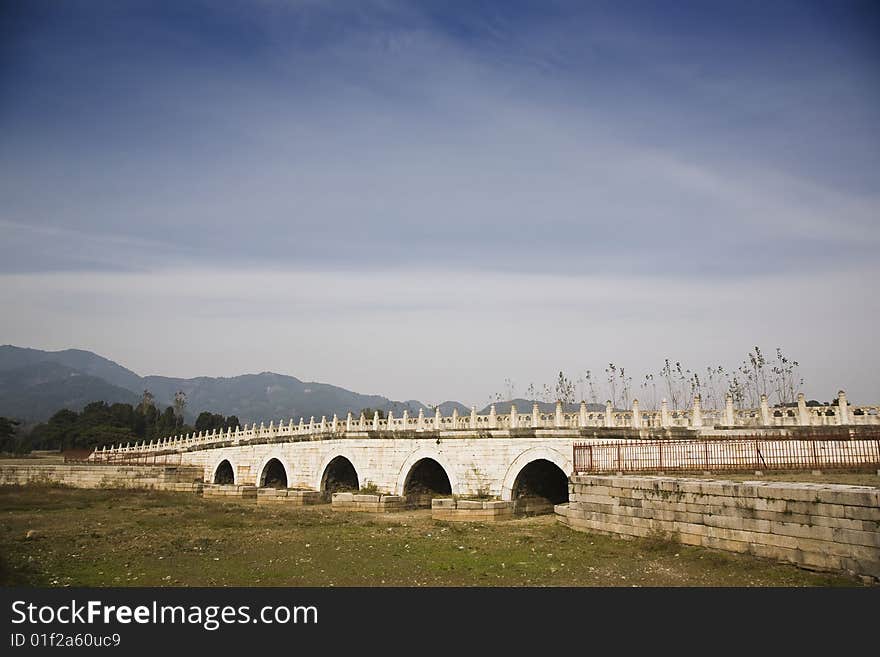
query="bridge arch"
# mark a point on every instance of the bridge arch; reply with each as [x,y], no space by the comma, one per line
[425,472]
[338,472]
[273,472]
[223,472]
[529,457]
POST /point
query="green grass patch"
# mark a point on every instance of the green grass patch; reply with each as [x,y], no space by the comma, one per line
[145,538]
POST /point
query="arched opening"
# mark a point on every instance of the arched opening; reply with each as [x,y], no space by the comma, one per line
[224,473]
[339,476]
[426,480]
[273,475]
[538,486]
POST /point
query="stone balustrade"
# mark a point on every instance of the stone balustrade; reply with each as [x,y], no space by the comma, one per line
[695,418]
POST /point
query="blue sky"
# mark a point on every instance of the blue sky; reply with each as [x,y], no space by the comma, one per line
[584,182]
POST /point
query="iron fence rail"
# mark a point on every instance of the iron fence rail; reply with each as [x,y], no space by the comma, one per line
[133,458]
[746,453]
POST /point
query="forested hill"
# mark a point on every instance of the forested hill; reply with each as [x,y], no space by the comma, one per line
[34,384]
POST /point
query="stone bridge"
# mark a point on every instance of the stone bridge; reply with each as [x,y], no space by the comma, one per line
[502,456]
[464,464]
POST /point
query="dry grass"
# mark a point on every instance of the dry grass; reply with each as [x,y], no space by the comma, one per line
[141,538]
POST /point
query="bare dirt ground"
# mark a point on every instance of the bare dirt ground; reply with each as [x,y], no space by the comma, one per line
[70,537]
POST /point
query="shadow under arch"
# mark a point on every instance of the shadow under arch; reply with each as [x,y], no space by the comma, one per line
[538,487]
[223,473]
[512,479]
[339,476]
[426,480]
[273,474]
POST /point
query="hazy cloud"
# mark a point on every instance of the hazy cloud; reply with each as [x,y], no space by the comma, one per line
[420,201]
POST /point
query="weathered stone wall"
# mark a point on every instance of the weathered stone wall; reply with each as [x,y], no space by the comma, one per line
[471,510]
[368,503]
[818,526]
[186,478]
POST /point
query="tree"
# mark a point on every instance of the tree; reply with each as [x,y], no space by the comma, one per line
[147,400]
[369,412]
[208,421]
[588,377]
[8,442]
[564,389]
[786,381]
[179,403]
[52,434]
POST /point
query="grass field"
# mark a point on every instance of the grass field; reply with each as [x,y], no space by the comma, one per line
[73,537]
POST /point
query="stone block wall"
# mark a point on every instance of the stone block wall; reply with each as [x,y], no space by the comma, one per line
[289,497]
[471,510]
[368,503]
[225,491]
[817,526]
[158,477]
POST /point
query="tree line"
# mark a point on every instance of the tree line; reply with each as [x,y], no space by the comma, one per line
[101,424]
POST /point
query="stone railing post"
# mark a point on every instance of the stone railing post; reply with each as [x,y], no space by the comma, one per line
[348,419]
[560,418]
[389,423]
[582,414]
[375,420]
[637,416]
[421,422]
[729,418]
[473,417]
[334,424]
[493,417]
[609,414]
[536,416]
[405,419]
[438,420]
[362,422]
[697,413]
[843,408]
[765,411]
[454,418]
[664,414]
[514,419]
[803,415]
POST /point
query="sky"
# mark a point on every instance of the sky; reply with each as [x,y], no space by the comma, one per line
[422,199]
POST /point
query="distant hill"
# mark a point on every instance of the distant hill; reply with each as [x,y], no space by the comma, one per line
[35,383]
[34,392]
[447,407]
[84,362]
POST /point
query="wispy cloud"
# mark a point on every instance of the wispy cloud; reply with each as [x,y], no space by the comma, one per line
[439,334]
[370,182]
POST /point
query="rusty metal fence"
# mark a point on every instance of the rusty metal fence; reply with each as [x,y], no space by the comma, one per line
[133,458]
[745,453]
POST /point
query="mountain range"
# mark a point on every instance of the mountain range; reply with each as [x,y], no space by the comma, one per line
[34,384]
